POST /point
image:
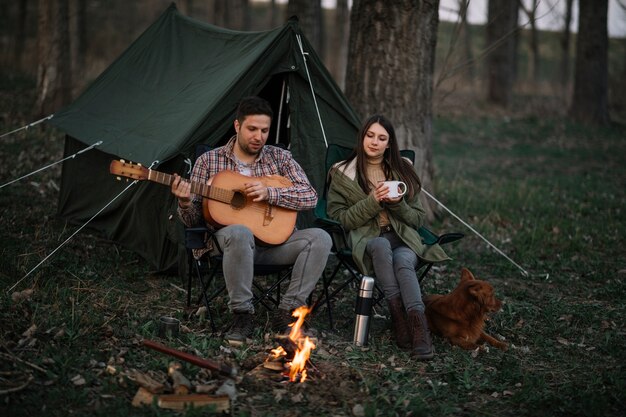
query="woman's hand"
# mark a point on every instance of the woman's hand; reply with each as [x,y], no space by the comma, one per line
[380,194]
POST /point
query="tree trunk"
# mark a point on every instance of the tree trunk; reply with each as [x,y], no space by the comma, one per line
[53,46]
[590,99]
[231,14]
[391,59]
[78,39]
[533,57]
[310,18]
[273,14]
[338,55]
[565,46]
[501,41]
[466,39]
[20,33]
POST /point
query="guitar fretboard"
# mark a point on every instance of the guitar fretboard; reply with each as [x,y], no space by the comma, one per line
[214,193]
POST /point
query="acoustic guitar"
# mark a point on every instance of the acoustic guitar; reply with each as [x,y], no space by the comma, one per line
[225,203]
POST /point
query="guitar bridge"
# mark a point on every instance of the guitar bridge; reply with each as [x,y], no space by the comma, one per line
[269,215]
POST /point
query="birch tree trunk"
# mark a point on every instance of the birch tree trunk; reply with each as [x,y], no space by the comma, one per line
[391,58]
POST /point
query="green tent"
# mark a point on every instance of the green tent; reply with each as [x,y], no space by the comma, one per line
[178,86]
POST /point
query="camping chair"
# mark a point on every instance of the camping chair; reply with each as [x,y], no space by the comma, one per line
[209,266]
[341,249]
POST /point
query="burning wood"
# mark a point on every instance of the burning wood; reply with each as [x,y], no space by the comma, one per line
[294,351]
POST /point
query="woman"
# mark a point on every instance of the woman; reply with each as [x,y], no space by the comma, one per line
[383,230]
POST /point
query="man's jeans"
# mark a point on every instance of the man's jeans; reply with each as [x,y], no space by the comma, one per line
[306,249]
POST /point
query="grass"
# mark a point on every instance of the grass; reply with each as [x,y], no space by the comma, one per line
[548,193]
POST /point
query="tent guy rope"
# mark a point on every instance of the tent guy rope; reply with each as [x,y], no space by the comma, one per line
[317,110]
[52,164]
[76,232]
[524,272]
[27,126]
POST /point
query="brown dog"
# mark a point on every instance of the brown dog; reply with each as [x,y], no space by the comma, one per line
[460,315]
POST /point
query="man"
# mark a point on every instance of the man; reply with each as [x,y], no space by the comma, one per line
[307,249]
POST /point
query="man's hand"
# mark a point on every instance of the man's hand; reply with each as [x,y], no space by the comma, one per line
[182,190]
[256,190]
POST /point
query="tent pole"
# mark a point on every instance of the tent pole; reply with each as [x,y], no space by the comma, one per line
[280,112]
[319,117]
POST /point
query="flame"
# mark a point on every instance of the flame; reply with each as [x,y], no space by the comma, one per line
[304,346]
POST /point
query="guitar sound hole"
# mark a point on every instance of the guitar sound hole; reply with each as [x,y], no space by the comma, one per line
[239,200]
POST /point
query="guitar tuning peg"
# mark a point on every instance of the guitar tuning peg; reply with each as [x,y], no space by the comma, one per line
[122,161]
[118,178]
[139,164]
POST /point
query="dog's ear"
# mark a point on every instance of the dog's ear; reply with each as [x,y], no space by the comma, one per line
[476,290]
[466,275]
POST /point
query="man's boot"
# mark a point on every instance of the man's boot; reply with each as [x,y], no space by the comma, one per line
[401,332]
[421,343]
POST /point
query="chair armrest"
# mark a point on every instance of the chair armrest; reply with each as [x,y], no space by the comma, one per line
[449,238]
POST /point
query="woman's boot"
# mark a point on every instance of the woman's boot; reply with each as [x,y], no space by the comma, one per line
[401,332]
[421,343]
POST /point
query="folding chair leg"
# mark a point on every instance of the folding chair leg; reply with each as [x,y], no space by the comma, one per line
[203,296]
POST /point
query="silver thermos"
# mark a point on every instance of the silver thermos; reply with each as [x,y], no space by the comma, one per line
[363,311]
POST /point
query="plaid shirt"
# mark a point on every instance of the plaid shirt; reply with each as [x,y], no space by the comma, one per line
[271,160]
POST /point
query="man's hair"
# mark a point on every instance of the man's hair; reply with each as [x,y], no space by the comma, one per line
[253,105]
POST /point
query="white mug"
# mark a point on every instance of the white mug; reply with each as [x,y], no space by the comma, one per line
[396,188]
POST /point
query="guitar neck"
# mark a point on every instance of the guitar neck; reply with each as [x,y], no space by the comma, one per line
[167,179]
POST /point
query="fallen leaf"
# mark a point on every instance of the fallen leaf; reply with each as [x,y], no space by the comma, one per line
[18,296]
[358,410]
[279,394]
[562,341]
[78,380]
[30,331]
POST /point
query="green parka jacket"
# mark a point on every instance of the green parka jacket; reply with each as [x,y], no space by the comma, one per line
[358,213]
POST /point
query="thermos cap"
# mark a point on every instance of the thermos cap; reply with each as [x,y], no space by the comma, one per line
[367,286]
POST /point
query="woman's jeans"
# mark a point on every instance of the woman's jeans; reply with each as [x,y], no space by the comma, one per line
[394,265]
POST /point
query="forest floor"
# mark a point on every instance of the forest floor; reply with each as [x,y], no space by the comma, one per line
[547,192]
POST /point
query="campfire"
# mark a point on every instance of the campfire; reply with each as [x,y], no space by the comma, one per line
[294,351]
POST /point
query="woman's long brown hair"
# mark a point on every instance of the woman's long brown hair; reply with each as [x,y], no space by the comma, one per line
[393,163]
